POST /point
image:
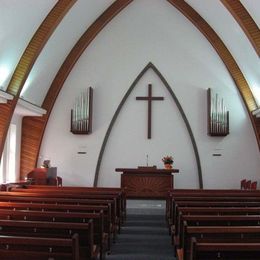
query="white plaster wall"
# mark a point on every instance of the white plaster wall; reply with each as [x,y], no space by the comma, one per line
[82,14]
[19,21]
[217,15]
[139,34]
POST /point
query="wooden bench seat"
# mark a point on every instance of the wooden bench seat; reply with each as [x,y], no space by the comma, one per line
[103,190]
[202,250]
[24,248]
[67,201]
[212,220]
[81,192]
[116,208]
[66,208]
[211,211]
[219,233]
[213,216]
[229,233]
[88,250]
[209,202]
[100,237]
[189,194]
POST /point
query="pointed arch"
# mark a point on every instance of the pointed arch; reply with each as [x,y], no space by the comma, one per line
[83,43]
[157,72]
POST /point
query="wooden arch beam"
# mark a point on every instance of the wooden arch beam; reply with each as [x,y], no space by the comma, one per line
[245,21]
[27,61]
[33,128]
[224,54]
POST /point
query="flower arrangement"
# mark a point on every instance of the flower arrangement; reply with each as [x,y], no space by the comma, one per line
[167,159]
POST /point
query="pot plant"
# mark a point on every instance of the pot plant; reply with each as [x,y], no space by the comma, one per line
[168,161]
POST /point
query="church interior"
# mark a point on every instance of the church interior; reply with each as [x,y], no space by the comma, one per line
[173,85]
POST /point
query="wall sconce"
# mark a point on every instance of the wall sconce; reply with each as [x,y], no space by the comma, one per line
[81,114]
[218,116]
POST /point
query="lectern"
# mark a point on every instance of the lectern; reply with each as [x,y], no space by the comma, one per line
[147,182]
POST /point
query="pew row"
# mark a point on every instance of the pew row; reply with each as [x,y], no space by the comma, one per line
[209,210]
[72,195]
[119,193]
[66,208]
[87,248]
[35,198]
[67,217]
[209,202]
[218,211]
[224,250]
[216,234]
[191,193]
[24,248]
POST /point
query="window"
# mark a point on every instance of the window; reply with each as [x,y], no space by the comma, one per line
[1,171]
[8,162]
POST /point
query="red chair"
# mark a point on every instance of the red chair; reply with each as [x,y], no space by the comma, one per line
[248,185]
[253,185]
[243,184]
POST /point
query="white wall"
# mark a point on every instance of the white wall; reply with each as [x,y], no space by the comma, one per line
[140,34]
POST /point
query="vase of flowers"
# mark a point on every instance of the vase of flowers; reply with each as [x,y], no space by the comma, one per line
[168,161]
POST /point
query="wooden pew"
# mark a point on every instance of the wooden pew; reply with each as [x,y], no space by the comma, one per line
[224,250]
[66,208]
[208,193]
[103,190]
[228,227]
[117,193]
[24,248]
[219,234]
[181,200]
[190,193]
[212,202]
[211,211]
[88,250]
[24,198]
[68,217]
[71,195]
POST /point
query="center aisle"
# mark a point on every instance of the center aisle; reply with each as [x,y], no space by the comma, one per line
[144,234]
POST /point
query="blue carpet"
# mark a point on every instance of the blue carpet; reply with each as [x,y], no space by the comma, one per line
[144,235]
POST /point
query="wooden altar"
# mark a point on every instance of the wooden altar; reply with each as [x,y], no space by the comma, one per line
[147,182]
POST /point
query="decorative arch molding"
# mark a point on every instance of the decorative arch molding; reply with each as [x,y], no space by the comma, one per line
[110,127]
[245,21]
[27,61]
[82,44]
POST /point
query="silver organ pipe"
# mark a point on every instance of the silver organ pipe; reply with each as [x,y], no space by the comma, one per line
[218,116]
[81,114]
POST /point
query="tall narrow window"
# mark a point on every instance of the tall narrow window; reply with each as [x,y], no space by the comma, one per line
[1,171]
[8,161]
[11,154]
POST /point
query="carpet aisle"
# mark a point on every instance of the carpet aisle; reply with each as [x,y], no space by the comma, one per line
[144,236]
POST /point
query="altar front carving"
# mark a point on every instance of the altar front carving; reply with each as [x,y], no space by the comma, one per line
[147,182]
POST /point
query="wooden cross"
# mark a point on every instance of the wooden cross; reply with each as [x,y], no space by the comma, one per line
[150,98]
